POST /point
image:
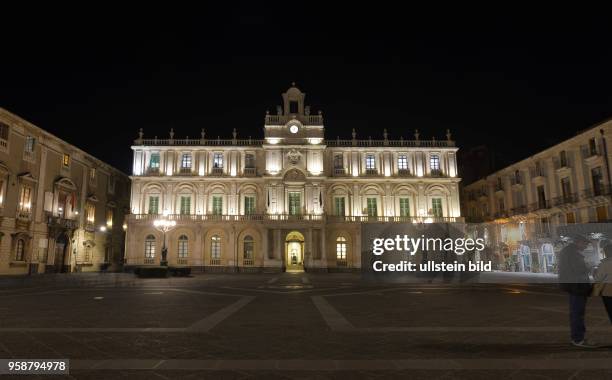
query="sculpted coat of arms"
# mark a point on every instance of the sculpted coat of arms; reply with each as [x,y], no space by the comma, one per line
[294,156]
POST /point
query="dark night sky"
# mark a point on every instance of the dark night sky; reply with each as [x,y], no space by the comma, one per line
[514,82]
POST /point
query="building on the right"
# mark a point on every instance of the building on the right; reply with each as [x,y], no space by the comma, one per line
[527,211]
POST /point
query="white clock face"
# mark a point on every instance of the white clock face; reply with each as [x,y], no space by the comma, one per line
[293,129]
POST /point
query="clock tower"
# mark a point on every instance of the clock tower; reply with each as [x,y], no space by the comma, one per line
[293,124]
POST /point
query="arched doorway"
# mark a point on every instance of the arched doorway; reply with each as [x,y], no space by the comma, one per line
[294,252]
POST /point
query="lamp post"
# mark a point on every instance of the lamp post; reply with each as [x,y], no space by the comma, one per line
[164,225]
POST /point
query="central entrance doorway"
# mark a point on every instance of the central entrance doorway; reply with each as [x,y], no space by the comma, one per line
[294,252]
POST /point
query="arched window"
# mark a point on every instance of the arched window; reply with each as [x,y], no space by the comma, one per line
[20,250]
[215,247]
[341,248]
[249,247]
[150,246]
[183,246]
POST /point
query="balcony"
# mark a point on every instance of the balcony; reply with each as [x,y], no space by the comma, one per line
[186,171]
[601,190]
[394,219]
[436,173]
[149,218]
[565,199]
[404,173]
[62,223]
[250,172]
[339,172]
[152,171]
[214,262]
[248,262]
[540,205]
[519,210]
[217,171]
[372,172]
[182,261]
[24,214]
[516,181]
[341,263]
[284,119]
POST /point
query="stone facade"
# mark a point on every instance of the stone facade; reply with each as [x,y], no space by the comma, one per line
[292,200]
[529,206]
[62,210]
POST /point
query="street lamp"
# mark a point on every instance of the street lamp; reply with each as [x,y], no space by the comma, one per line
[164,225]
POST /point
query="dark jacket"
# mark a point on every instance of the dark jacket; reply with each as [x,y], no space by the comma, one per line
[573,272]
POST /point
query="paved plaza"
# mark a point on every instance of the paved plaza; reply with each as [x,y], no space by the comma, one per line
[297,325]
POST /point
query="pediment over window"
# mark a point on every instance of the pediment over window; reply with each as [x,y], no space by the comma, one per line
[4,169]
[27,177]
[92,198]
[66,183]
[295,175]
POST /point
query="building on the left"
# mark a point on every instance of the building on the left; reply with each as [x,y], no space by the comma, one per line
[61,209]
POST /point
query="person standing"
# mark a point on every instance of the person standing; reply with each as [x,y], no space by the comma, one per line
[603,275]
[574,279]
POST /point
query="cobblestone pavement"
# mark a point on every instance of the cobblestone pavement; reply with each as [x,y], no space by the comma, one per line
[296,325]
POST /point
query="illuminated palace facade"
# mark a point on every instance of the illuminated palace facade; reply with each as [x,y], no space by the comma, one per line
[61,209]
[290,201]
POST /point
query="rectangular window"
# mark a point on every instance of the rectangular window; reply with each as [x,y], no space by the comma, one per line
[339,206]
[185,205]
[150,247]
[566,187]
[404,204]
[218,160]
[215,247]
[293,107]
[66,160]
[436,207]
[29,144]
[370,162]
[90,213]
[154,161]
[402,162]
[563,158]
[217,206]
[295,203]
[592,147]
[434,162]
[372,207]
[154,204]
[541,197]
[598,182]
[341,248]
[249,205]
[112,181]
[249,161]
[92,174]
[25,199]
[109,218]
[186,161]
[338,161]
[4,135]
[183,247]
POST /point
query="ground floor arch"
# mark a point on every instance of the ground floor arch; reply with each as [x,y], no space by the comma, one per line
[294,252]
